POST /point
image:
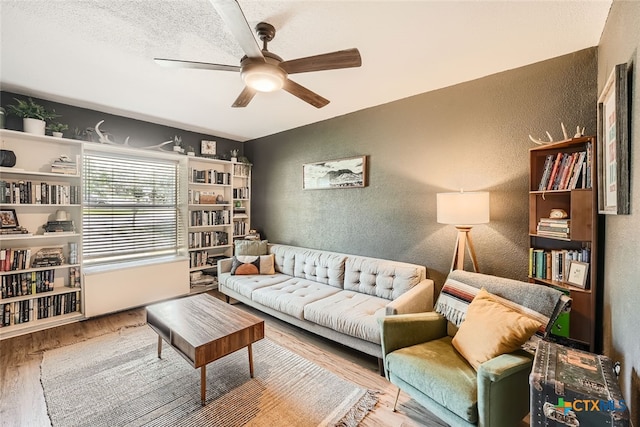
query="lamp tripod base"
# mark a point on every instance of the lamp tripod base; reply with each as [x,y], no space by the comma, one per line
[463,242]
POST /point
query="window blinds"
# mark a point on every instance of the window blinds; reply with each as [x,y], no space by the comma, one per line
[130,207]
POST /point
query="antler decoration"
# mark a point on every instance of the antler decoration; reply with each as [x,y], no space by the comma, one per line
[103,138]
[176,140]
[579,133]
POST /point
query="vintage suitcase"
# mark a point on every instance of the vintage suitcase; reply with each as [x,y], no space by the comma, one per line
[570,387]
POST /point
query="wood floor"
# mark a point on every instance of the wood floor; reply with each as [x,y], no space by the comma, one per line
[22,401]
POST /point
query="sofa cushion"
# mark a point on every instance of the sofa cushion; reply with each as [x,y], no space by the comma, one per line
[250,247]
[436,369]
[491,329]
[245,285]
[285,258]
[247,266]
[320,266]
[350,313]
[291,296]
[264,264]
[381,278]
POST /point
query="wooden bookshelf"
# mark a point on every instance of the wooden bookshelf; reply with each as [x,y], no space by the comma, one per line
[578,198]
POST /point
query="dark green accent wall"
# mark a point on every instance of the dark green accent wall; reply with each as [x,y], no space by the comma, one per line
[141,133]
[472,136]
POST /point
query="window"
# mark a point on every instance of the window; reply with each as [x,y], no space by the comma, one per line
[130,207]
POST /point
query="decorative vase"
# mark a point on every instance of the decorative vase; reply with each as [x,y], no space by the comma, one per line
[57,134]
[34,126]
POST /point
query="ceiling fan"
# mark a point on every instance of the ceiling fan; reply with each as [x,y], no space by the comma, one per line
[261,70]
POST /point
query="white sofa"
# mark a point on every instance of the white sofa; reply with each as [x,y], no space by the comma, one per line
[334,295]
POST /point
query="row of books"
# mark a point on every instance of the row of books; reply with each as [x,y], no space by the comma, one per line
[18,312]
[567,171]
[241,193]
[209,176]
[34,282]
[207,239]
[15,259]
[30,193]
[554,264]
[553,227]
[202,218]
[241,170]
[239,228]
[199,259]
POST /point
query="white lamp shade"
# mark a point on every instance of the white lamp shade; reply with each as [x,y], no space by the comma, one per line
[463,208]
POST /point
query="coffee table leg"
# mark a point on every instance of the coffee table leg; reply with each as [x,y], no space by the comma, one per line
[250,360]
[159,347]
[203,384]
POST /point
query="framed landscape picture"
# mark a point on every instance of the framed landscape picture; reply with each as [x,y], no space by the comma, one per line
[343,173]
[613,144]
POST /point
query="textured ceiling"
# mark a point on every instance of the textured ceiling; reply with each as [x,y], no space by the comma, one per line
[98,53]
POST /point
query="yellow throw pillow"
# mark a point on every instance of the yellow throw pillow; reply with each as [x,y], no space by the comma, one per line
[491,329]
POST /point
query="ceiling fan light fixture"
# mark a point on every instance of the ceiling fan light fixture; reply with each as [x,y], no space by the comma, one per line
[263,77]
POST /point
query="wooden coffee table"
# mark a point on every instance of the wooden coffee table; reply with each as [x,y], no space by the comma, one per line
[202,329]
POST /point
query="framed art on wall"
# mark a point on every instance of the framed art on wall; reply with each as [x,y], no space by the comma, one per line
[613,144]
[342,173]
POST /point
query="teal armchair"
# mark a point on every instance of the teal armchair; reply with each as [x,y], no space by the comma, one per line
[420,359]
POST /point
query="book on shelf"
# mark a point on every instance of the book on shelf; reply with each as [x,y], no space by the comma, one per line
[15,259]
[554,227]
[553,264]
[33,193]
[30,283]
[565,171]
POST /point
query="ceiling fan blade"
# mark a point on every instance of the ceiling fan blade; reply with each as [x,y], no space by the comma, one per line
[329,61]
[176,63]
[244,98]
[305,94]
[231,14]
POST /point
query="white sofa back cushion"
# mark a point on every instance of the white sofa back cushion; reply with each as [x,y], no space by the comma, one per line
[317,265]
[381,278]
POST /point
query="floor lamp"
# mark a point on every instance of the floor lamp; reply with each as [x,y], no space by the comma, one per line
[463,209]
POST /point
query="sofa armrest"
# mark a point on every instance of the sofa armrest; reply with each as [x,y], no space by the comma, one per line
[224,265]
[404,330]
[503,389]
[416,300]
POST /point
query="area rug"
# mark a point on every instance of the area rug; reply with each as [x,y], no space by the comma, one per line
[118,380]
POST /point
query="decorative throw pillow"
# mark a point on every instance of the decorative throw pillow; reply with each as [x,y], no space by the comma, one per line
[491,329]
[251,247]
[240,268]
[253,265]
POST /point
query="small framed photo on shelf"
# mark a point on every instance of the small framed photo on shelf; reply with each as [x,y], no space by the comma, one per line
[613,144]
[578,272]
[208,148]
[9,218]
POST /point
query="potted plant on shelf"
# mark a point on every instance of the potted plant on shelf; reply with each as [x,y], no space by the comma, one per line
[34,116]
[57,129]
